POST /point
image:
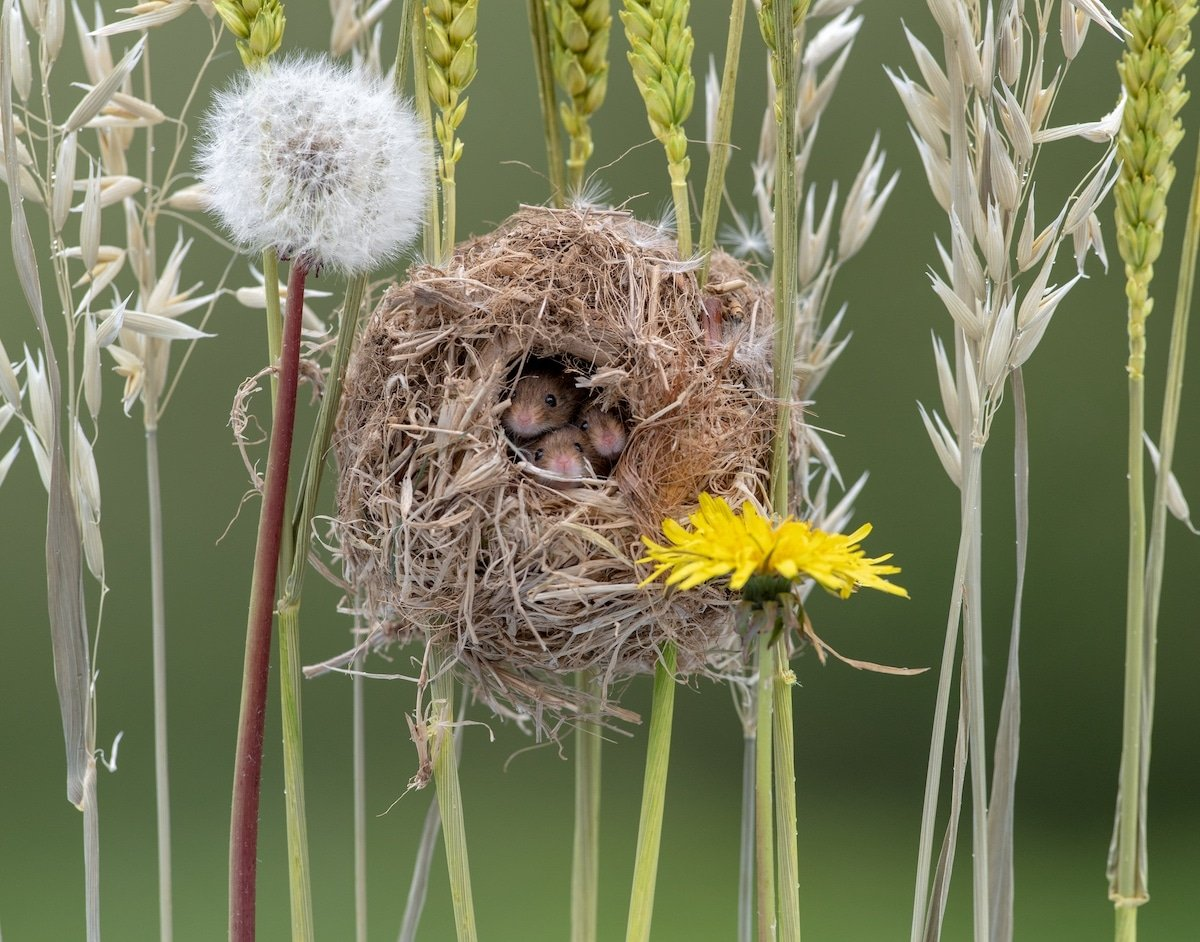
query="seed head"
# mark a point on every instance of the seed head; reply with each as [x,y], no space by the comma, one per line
[316,160]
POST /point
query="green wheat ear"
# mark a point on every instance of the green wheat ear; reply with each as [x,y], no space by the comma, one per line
[660,52]
[579,52]
[1152,72]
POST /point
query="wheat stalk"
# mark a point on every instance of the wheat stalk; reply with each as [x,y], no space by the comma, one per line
[579,54]
[450,57]
[1151,70]
[660,52]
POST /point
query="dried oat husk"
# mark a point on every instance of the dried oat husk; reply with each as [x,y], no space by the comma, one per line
[447,535]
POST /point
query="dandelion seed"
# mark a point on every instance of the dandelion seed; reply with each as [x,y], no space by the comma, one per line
[318,161]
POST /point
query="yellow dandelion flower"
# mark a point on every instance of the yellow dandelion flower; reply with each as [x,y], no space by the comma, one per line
[724,543]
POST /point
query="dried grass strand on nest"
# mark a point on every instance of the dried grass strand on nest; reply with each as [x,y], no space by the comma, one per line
[447,534]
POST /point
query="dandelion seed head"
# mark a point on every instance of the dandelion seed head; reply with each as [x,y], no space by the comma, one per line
[316,160]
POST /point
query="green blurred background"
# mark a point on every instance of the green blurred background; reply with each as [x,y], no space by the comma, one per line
[861,738]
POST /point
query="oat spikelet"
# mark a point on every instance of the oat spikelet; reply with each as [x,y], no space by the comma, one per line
[579,52]
[1152,72]
[660,52]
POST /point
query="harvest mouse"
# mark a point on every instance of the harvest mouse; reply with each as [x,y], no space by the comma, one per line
[605,433]
[564,452]
[540,402]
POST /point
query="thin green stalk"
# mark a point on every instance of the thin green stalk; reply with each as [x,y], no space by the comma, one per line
[419,884]
[539,35]
[449,794]
[585,862]
[1172,397]
[247,779]
[359,762]
[683,211]
[299,874]
[158,645]
[270,260]
[299,870]
[785,804]
[1135,652]
[973,693]
[783,59]
[654,797]
[763,797]
[714,184]
[746,846]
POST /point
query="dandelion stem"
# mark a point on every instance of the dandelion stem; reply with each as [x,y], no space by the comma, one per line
[247,778]
[785,803]
[763,797]
[158,645]
[654,797]
[718,161]
[746,848]
[540,36]
[585,863]
[449,795]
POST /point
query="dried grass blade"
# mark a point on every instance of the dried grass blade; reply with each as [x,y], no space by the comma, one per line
[936,913]
[1002,810]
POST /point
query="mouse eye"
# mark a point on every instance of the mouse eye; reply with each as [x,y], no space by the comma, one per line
[583,426]
[551,400]
[579,448]
[537,455]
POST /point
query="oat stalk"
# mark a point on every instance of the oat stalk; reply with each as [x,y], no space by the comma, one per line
[247,779]
[450,64]
[660,53]
[579,31]
[1151,72]
[585,861]
[654,798]
[539,35]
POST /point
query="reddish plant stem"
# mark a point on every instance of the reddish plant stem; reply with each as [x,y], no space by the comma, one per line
[247,773]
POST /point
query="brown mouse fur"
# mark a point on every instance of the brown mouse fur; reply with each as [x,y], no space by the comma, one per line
[541,402]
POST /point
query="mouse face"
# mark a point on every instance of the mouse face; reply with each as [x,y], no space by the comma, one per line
[541,402]
[605,432]
[563,452]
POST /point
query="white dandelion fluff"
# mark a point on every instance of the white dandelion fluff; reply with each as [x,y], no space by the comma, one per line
[323,162]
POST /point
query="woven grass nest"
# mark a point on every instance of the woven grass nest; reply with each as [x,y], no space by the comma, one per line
[447,533]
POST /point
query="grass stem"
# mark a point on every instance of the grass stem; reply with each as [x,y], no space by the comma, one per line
[585,863]
[449,795]
[785,803]
[158,646]
[763,797]
[539,34]
[654,796]
[359,762]
[719,147]
[746,846]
